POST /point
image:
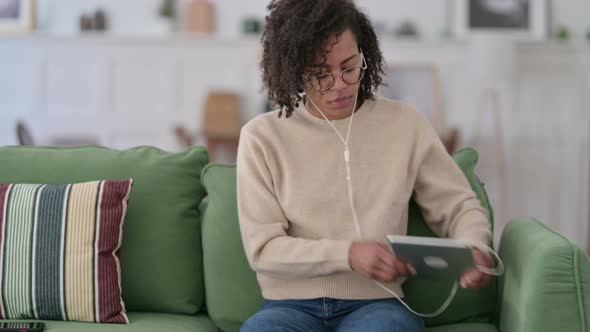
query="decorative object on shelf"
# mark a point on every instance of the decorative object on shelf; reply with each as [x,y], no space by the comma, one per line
[167,12]
[407,29]
[520,19]
[200,17]
[221,122]
[17,16]
[562,33]
[100,20]
[86,23]
[168,9]
[251,26]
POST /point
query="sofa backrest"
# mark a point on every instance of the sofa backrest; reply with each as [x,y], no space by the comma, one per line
[231,290]
[233,294]
[161,259]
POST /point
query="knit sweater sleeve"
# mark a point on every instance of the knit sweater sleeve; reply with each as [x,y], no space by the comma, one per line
[449,205]
[264,227]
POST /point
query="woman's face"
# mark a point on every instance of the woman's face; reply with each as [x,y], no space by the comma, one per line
[337,101]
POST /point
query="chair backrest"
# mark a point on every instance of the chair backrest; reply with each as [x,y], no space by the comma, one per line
[222,115]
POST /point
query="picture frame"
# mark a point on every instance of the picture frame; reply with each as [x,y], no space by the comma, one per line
[417,84]
[420,86]
[516,19]
[16,16]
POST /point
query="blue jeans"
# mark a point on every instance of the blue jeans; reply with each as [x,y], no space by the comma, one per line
[328,314]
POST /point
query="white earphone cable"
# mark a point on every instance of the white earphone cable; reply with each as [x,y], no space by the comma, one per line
[346,159]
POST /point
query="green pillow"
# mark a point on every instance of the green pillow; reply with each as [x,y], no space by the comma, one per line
[228,275]
[232,291]
[426,296]
[161,250]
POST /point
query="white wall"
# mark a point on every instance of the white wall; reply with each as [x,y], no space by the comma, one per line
[129,91]
[97,86]
[138,17]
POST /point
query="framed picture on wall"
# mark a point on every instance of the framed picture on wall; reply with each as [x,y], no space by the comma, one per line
[16,16]
[520,19]
[417,84]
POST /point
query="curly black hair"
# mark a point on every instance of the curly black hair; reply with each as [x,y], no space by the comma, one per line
[296,30]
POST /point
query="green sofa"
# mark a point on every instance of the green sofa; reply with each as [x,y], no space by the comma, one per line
[184,269]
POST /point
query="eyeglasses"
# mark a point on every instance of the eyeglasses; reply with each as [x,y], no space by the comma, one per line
[351,75]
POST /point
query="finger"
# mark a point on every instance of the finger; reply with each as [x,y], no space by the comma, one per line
[399,264]
[384,275]
[488,260]
[476,280]
[387,258]
[469,278]
[402,266]
[385,267]
[484,282]
[385,246]
[389,272]
[482,258]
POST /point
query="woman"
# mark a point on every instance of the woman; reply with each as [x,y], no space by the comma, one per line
[316,241]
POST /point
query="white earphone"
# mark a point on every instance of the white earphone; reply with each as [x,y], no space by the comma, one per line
[496,272]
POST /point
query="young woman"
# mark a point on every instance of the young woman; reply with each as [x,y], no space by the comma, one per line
[322,180]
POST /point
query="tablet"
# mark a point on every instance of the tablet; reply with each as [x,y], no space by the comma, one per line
[433,258]
[22,327]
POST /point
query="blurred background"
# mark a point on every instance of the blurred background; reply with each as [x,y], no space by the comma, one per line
[510,78]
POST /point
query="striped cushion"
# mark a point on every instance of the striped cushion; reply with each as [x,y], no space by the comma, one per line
[59,251]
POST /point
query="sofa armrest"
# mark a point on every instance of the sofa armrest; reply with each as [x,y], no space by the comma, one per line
[546,284]
[203,205]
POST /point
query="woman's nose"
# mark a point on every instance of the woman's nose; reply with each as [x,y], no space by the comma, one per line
[339,83]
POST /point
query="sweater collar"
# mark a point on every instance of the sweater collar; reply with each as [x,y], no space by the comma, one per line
[302,111]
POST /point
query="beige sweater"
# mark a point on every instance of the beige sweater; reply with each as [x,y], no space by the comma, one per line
[295,218]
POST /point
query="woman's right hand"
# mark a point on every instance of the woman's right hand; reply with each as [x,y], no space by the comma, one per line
[375,260]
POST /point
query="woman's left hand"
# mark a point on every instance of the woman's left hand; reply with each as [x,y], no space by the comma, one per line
[474,278]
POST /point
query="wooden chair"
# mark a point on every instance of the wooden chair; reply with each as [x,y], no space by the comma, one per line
[221,122]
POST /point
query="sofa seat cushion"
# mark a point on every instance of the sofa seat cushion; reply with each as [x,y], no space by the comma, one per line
[464,328]
[138,322]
